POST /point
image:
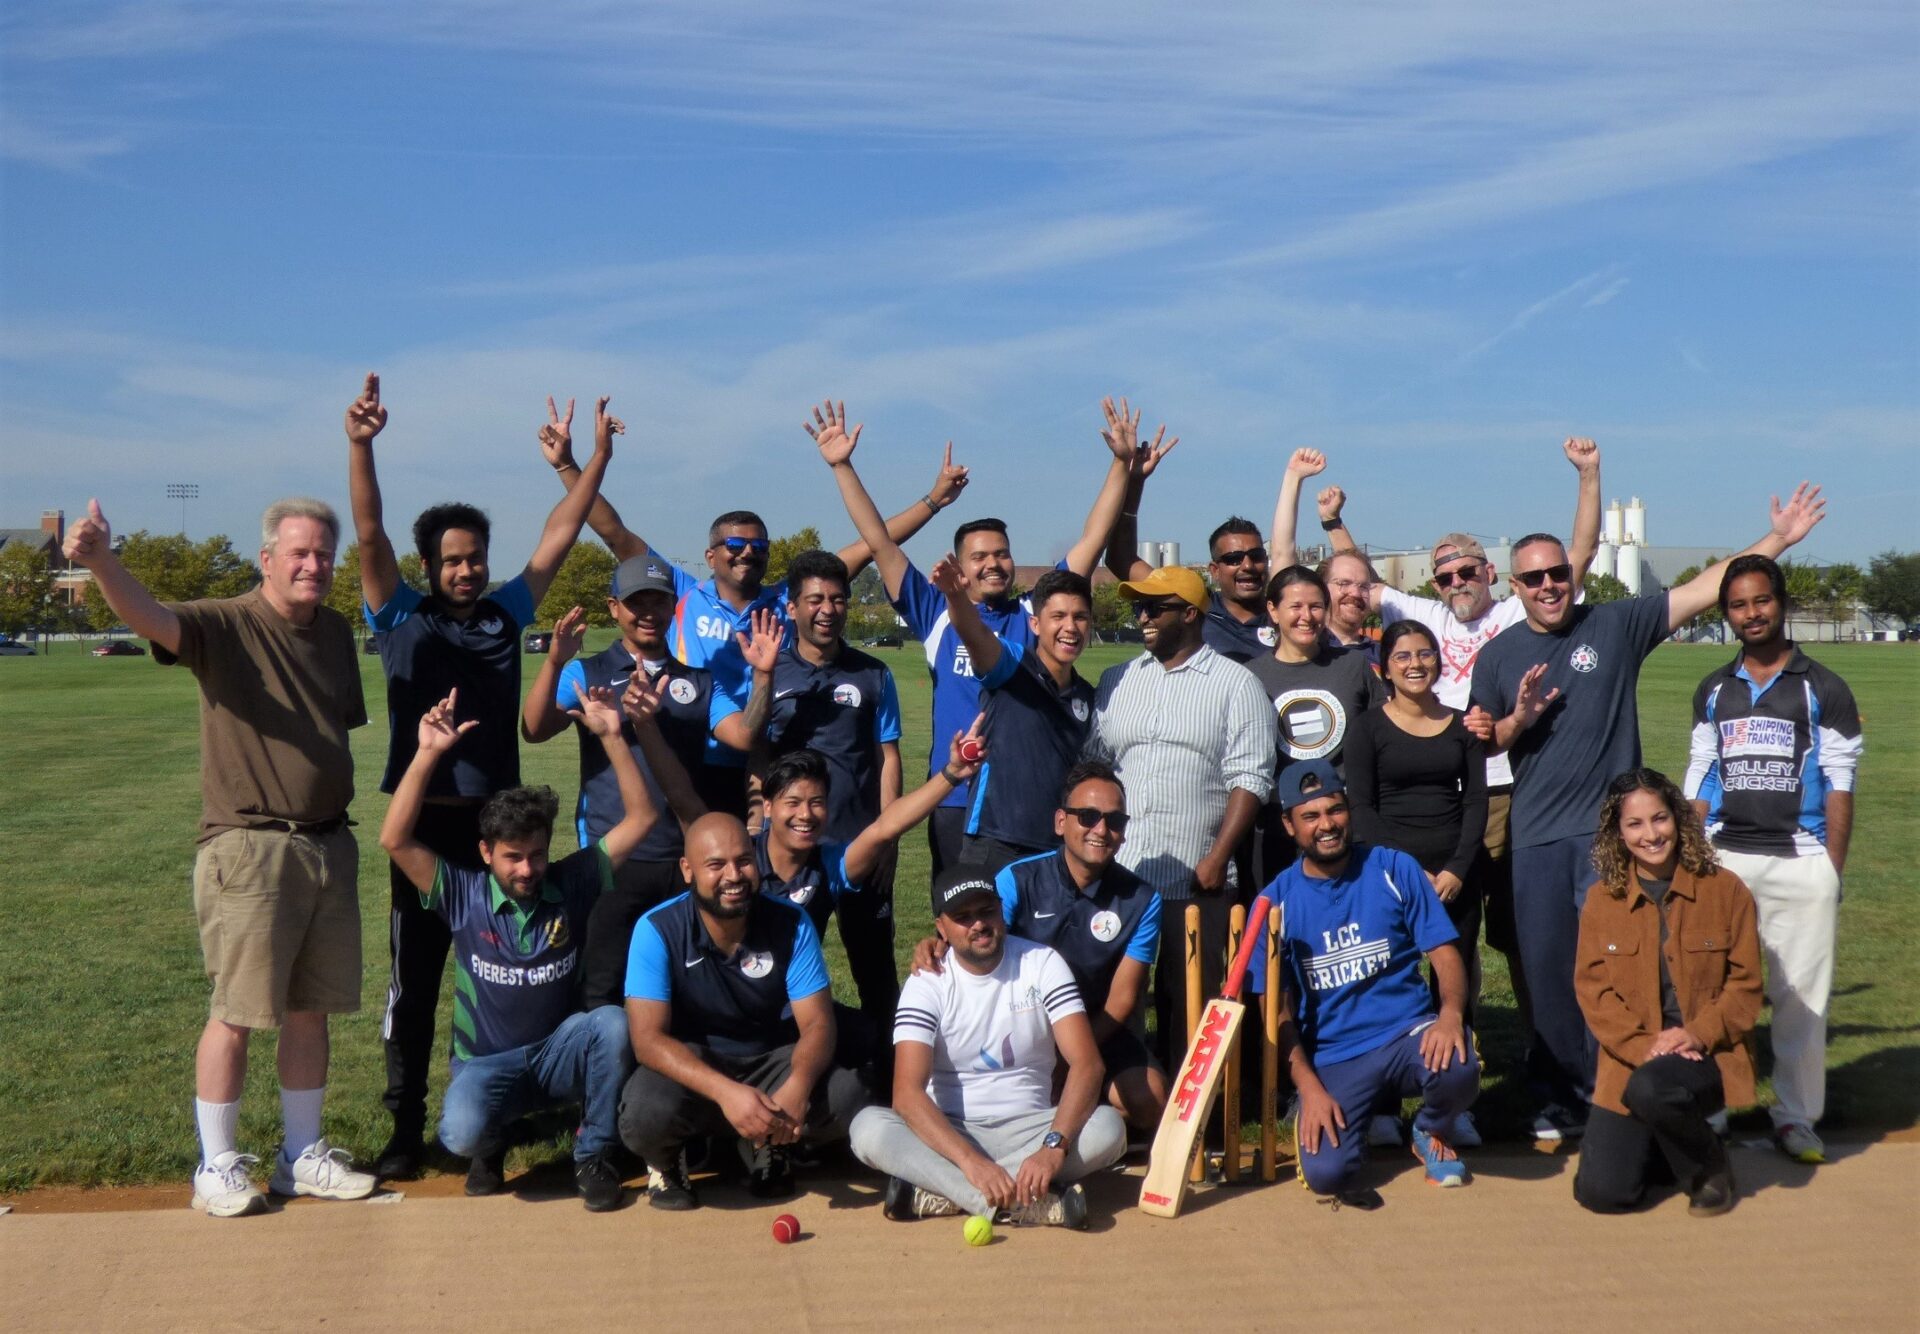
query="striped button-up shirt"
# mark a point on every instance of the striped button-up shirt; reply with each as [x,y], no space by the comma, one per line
[1181,740]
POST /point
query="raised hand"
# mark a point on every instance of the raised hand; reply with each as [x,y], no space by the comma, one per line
[1797,517]
[1529,702]
[605,425]
[1306,463]
[556,437]
[599,711]
[1146,458]
[569,632]
[946,576]
[366,418]
[1122,432]
[1331,501]
[762,649]
[1582,453]
[958,765]
[90,540]
[829,430]
[949,483]
[438,731]
[642,701]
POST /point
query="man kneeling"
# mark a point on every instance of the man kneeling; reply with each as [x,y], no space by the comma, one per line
[520,1040]
[1359,1020]
[972,1128]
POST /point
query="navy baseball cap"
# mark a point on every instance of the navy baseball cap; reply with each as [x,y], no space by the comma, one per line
[957,884]
[1306,780]
[641,574]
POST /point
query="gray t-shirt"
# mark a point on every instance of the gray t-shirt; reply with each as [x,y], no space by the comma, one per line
[1316,702]
[1591,732]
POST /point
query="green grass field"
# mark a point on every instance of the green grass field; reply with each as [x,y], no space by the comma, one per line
[103,986]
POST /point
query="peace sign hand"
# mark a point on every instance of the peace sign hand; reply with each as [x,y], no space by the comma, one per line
[556,437]
[605,426]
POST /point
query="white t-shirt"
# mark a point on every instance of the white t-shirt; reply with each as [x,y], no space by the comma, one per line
[1460,645]
[991,1034]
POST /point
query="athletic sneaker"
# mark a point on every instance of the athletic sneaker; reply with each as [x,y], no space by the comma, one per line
[1067,1208]
[598,1183]
[323,1172]
[223,1188]
[1443,1165]
[671,1189]
[770,1175]
[1383,1132]
[487,1173]
[1463,1133]
[402,1156]
[1800,1143]
[905,1202]
[1556,1123]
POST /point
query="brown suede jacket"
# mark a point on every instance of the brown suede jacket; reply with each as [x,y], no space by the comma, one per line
[1713,957]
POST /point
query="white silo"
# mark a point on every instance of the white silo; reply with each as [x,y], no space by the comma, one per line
[1604,560]
[1636,523]
[1629,569]
[1169,553]
[1612,529]
[1149,552]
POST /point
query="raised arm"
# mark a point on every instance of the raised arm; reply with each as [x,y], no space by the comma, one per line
[1790,523]
[89,543]
[983,646]
[438,733]
[1282,548]
[379,571]
[1584,455]
[563,524]
[1122,434]
[865,852]
[1123,539]
[879,540]
[599,712]
[541,717]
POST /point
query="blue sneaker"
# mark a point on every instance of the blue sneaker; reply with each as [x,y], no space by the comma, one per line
[1443,1165]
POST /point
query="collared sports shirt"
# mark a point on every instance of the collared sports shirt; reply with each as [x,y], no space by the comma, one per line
[1116,918]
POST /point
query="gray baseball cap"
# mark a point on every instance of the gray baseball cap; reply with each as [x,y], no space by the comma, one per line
[642,574]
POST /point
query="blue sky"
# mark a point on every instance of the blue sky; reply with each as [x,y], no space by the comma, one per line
[1430,239]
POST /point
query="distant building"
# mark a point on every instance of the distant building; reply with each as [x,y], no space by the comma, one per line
[69,581]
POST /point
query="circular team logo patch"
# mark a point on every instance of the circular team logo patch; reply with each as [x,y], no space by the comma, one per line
[1079,707]
[1267,635]
[1312,724]
[1105,925]
[1584,659]
[682,691]
[493,625]
[756,963]
[847,694]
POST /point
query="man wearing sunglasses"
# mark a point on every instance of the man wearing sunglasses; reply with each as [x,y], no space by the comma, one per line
[1558,695]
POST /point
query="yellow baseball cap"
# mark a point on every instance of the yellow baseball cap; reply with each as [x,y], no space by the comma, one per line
[1169,581]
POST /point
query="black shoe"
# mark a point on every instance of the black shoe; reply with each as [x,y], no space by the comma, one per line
[598,1183]
[771,1177]
[487,1173]
[1711,1197]
[670,1189]
[401,1159]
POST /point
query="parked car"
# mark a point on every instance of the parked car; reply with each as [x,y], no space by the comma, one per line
[882,641]
[1911,633]
[539,641]
[13,648]
[372,647]
[118,648]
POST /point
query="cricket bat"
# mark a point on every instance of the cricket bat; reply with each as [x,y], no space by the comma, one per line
[1190,1100]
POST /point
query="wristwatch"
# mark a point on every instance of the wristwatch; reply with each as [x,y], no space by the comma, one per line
[1054,1140]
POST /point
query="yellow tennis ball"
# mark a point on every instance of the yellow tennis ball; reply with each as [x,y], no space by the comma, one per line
[978,1230]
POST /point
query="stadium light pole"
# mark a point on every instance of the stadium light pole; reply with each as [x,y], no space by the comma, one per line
[183,492]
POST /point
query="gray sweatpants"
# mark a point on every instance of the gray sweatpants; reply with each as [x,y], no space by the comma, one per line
[885,1142]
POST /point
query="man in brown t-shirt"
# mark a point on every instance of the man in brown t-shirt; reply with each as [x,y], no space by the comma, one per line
[275,879]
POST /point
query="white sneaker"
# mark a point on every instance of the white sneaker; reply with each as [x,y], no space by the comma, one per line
[1383,1132]
[1800,1143]
[323,1172]
[223,1188]
[1555,1123]
[1463,1133]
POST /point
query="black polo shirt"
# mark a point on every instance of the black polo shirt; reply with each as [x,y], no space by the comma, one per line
[1035,732]
[739,1005]
[845,710]
[815,888]
[1240,641]
[1116,918]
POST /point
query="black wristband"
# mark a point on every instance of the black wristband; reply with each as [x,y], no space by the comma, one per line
[1331,524]
[946,772]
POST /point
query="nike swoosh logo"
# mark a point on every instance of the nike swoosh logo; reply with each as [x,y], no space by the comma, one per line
[782,694]
[1039,915]
[692,962]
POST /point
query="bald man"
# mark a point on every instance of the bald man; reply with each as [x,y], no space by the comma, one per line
[731,1014]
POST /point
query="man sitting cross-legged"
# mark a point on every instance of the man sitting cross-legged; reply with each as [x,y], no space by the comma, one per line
[520,1040]
[973,1127]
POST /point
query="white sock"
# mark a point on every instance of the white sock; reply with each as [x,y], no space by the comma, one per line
[219,1124]
[300,1109]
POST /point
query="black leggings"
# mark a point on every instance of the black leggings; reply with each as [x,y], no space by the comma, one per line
[1670,1099]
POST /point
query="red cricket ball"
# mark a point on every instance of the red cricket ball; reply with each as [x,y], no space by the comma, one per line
[971,750]
[786,1228]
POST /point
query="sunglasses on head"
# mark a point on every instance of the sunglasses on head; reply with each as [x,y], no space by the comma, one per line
[1088,817]
[1559,574]
[1153,609]
[736,545]
[1465,574]
[1233,558]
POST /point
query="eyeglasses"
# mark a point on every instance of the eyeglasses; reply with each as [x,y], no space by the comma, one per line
[1406,657]
[1088,817]
[1559,574]
[1154,609]
[1356,585]
[736,545]
[1466,574]
[1232,559]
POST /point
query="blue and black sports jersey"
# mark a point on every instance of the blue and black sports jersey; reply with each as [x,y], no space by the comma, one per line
[956,691]
[1351,950]
[515,972]
[1235,639]
[702,636]
[818,885]
[1764,758]
[689,708]
[738,1005]
[845,709]
[426,654]
[1117,918]
[1035,731]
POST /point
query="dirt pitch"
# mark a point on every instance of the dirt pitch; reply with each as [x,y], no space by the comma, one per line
[1833,1248]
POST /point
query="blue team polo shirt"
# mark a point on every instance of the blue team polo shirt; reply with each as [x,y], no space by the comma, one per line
[515,974]
[816,887]
[690,706]
[1351,948]
[740,1005]
[1035,732]
[1116,918]
[956,691]
[426,654]
[845,709]
[1234,639]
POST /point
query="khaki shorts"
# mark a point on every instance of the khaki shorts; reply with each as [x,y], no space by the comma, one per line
[1499,810]
[279,924]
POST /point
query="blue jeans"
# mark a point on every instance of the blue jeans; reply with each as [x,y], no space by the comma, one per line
[585,1060]
[1356,1085]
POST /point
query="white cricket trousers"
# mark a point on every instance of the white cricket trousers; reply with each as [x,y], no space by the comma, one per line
[1799,908]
